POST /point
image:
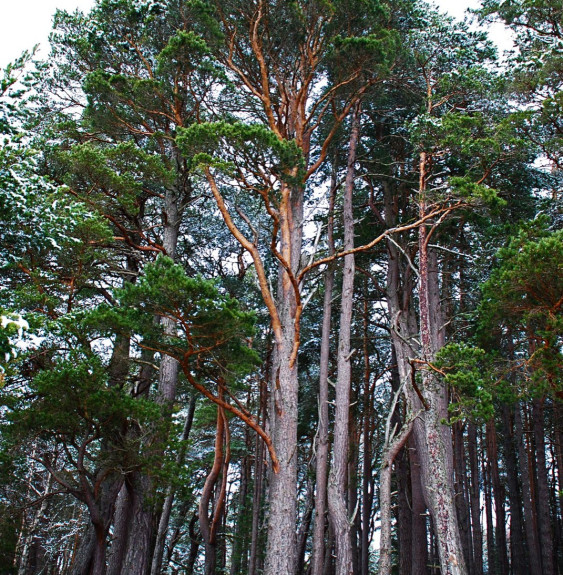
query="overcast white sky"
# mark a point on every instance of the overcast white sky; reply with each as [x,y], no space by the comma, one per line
[24,23]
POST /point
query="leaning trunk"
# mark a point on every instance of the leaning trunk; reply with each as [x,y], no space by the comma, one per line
[391,451]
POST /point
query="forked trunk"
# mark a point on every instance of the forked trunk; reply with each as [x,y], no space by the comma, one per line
[433,439]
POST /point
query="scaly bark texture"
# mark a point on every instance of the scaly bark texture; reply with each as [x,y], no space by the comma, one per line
[433,436]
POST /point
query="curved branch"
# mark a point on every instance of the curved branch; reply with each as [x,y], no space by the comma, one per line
[252,250]
[245,417]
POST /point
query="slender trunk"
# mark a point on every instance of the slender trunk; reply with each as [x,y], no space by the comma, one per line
[305,527]
[258,483]
[194,545]
[517,543]
[461,503]
[529,520]
[420,558]
[367,479]
[337,483]
[329,560]
[390,453]
[558,457]
[353,463]
[239,556]
[216,480]
[544,515]
[491,556]
[168,502]
[475,498]
[322,444]
[499,498]
[404,514]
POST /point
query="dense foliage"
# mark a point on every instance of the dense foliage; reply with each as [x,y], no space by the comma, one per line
[281,292]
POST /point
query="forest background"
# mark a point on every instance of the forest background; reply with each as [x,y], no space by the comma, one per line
[281,289]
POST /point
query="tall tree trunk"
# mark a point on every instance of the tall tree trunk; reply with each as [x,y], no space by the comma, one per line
[499,498]
[194,545]
[337,482]
[353,463]
[461,503]
[390,452]
[420,557]
[404,514]
[281,546]
[305,526]
[216,481]
[404,337]
[322,442]
[239,554]
[475,499]
[140,532]
[519,560]
[527,500]
[487,487]
[367,476]
[168,502]
[433,437]
[544,515]
[558,449]
[257,495]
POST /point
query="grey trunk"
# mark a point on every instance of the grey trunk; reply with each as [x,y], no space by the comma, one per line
[322,443]
[337,482]
[168,502]
[281,557]
[257,496]
[281,547]
[475,496]
[391,451]
[432,438]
